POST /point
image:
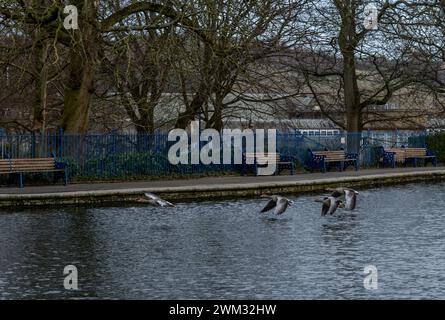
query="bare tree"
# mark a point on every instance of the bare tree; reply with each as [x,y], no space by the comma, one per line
[350,68]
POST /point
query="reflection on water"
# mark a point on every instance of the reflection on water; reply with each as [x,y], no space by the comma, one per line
[228,250]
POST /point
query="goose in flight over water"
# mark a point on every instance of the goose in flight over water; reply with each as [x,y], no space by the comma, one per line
[330,205]
[349,194]
[154,200]
[278,202]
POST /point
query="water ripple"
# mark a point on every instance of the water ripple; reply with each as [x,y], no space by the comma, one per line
[227,249]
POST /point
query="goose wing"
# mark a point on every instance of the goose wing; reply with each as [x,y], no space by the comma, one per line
[332,205]
[281,205]
[351,199]
[338,192]
[325,207]
[151,196]
[156,201]
[270,205]
[164,203]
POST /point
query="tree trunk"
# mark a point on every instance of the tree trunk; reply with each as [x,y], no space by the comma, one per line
[201,95]
[83,59]
[347,42]
[193,108]
[216,121]
[40,93]
[352,104]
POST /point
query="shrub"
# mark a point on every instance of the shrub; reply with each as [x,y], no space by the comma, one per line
[436,143]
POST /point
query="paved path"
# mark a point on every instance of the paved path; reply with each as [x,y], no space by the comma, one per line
[217,182]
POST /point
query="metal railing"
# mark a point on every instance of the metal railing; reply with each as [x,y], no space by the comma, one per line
[127,156]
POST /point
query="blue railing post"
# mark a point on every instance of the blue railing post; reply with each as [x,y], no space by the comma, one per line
[2,143]
[33,145]
[61,143]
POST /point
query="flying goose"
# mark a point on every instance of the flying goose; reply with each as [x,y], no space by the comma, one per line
[330,205]
[154,200]
[278,202]
[349,194]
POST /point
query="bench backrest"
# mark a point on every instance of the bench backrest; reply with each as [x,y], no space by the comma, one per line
[331,155]
[399,154]
[17,165]
[263,158]
[415,152]
[403,153]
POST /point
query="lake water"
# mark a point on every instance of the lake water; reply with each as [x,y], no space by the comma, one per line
[228,250]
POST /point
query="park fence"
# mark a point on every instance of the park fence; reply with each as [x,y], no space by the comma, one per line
[128,156]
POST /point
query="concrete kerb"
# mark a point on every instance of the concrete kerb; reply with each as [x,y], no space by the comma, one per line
[207,191]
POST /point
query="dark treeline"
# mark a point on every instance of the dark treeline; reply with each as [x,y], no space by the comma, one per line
[160,64]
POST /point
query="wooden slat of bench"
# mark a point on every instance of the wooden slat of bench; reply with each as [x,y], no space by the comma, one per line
[415,155]
[399,154]
[32,171]
[328,152]
[45,165]
[265,158]
[20,164]
[335,157]
[26,159]
[28,165]
[31,162]
[36,163]
[47,162]
[24,165]
[412,153]
[332,156]
[419,156]
[3,163]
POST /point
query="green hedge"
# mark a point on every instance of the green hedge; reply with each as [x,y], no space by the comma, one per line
[133,165]
[436,143]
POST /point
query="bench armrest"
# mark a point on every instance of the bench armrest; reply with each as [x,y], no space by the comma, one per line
[61,165]
[431,153]
[314,157]
[351,156]
[389,156]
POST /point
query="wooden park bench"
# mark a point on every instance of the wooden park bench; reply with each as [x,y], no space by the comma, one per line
[324,159]
[258,160]
[393,156]
[399,154]
[422,154]
[36,165]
